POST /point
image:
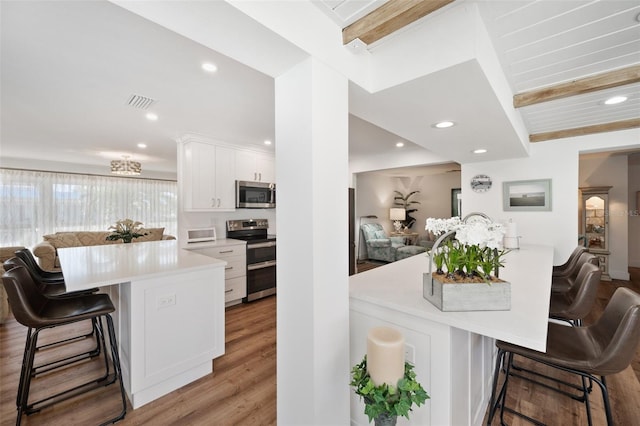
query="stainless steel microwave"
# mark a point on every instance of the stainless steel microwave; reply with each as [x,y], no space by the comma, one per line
[255,195]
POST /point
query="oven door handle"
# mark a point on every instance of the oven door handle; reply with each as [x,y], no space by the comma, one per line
[261,245]
[261,265]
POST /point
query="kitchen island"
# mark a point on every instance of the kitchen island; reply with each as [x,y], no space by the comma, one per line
[169,314]
[453,352]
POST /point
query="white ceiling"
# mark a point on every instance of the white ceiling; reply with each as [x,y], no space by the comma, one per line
[68,69]
[542,43]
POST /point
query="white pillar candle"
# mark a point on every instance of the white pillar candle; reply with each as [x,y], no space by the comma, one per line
[385,355]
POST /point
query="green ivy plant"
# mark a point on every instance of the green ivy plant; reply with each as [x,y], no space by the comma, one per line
[385,399]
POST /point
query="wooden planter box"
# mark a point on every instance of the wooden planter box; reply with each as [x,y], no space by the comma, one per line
[455,297]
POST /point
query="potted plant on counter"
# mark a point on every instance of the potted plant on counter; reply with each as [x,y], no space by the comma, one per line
[465,255]
[384,403]
[125,230]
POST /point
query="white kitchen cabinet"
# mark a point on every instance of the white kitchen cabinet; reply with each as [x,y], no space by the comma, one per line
[208,177]
[255,166]
[233,252]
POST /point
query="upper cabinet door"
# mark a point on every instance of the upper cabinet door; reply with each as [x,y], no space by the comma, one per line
[225,178]
[255,166]
[198,176]
[266,166]
[246,166]
[207,177]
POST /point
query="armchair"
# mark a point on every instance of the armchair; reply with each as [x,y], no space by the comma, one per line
[379,245]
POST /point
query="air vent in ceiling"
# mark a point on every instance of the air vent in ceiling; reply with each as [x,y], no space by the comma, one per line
[140,102]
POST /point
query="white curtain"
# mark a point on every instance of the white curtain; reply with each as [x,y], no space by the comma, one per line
[38,203]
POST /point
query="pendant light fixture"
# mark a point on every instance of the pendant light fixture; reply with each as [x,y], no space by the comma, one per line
[125,167]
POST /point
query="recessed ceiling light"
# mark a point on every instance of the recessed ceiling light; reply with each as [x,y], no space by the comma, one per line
[209,67]
[615,100]
[142,145]
[444,124]
[400,144]
[151,116]
[267,142]
[479,151]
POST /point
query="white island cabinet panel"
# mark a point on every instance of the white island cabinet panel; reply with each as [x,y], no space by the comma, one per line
[169,310]
[453,352]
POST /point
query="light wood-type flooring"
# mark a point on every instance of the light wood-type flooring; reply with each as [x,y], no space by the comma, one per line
[242,389]
[554,409]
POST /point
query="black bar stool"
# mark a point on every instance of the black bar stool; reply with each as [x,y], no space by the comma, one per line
[38,313]
[592,352]
[57,290]
[32,264]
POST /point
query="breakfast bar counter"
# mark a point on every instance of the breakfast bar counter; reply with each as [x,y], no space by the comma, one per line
[169,310]
[453,352]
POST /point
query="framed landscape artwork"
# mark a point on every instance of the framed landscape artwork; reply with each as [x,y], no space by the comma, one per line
[527,195]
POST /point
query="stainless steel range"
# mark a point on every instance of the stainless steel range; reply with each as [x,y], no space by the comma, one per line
[261,256]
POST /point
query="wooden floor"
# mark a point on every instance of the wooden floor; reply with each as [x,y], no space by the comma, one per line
[242,389]
[555,409]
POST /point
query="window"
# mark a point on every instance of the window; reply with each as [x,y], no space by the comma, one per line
[34,204]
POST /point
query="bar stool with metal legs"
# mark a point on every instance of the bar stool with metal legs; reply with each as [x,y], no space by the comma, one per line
[50,288]
[564,282]
[58,290]
[575,304]
[592,352]
[43,276]
[565,269]
[37,312]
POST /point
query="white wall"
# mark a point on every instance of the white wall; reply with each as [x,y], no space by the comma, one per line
[611,171]
[634,210]
[556,160]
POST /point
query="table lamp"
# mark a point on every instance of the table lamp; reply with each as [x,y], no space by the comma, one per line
[397,215]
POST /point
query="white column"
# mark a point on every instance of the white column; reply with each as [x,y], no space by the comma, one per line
[312,223]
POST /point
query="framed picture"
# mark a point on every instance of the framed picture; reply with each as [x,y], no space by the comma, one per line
[527,195]
[456,201]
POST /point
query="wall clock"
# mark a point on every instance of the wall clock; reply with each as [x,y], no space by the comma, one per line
[481,183]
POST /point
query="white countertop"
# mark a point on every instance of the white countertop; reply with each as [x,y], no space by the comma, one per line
[96,266]
[398,286]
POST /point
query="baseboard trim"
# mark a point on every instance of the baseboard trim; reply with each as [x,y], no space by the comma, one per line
[620,275]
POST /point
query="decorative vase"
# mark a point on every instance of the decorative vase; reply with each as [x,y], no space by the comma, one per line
[127,240]
[385,419]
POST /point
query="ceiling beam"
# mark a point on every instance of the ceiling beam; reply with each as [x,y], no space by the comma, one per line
[587,130]
[388,18]
[607,80]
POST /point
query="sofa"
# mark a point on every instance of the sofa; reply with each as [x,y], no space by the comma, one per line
[387,249]
[46,251]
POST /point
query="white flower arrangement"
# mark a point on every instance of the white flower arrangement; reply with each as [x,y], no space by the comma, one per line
[441,226]
[476,249]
